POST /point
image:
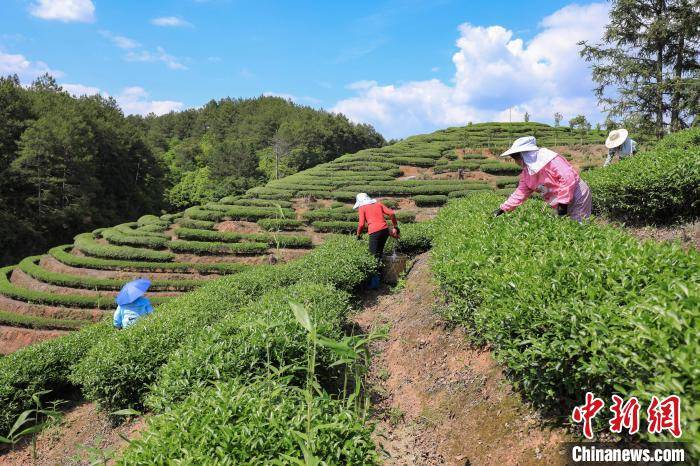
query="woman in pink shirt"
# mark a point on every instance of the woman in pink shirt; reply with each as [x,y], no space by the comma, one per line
[552,176]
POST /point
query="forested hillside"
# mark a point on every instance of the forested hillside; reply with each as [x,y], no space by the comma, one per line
[72,164]
[231,145]
[67,164]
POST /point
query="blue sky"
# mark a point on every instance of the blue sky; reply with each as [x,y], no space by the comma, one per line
[406,66]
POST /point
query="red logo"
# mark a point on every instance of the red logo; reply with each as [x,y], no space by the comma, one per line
[625,415]
[665,415]
[587,412]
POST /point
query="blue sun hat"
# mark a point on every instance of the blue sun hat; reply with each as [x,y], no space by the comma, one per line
[133,291]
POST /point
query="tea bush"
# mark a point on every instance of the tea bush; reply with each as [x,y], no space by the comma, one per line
[116,373]
[248,339]
[198,224]
[429,201]
[114,236]
[334,226]
[273,224]
[660,186]
[570,308]
[40,323]
[259,203]
[256,422]
[284,241]
[217,248]
[415,238]
[31,267]
[86,243]
[98,301]
[61,254]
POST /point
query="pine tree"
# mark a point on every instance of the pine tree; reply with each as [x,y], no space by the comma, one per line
[649,57]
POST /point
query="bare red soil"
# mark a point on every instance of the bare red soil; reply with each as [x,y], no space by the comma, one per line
[14,338]
[439,400]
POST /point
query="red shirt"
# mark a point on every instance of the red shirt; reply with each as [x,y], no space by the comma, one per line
[373,216]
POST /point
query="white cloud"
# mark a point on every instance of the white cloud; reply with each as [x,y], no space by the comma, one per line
[64,10]
[136,52]
[435,69]
[160,55]
[134,100]
[170,21]
[26,69]
[79,90]
[120,41]
[494,71]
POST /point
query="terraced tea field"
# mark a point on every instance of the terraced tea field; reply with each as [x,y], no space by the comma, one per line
[72,285]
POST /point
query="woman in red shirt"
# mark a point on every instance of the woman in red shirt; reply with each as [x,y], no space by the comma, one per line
[372,213]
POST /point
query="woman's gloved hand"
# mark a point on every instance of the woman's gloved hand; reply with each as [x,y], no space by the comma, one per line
[358,237]
[562,209]
[498,212]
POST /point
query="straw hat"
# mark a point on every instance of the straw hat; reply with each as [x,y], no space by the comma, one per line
[616,138]
[524,144]
[363,199]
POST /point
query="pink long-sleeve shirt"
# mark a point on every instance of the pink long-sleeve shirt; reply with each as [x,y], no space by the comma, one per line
[556,181]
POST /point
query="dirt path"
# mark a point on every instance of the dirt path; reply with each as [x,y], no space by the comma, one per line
[83,436]
[439,401]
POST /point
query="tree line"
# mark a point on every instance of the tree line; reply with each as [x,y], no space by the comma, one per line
[69,165]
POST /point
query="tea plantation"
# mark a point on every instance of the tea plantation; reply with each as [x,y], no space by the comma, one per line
[247,360]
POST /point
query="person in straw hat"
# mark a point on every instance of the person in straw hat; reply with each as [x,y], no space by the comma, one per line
[619,143]
[372,214]
[552,176]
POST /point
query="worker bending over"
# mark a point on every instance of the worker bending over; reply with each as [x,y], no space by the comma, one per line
[551,175]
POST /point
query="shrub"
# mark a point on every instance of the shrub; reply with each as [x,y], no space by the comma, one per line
[114,236]
[334,226]
[507,181]
[273,224]
[500,168]
[256,422]
[98,301]
[251,213]
[117,373]
[466,192]
[616,315]
[261,203]
[86,243]
[61,254]
[414,161]
[688,139]
[42,366]
[427,201]
[204,247]
[247,340]
[40,323]
[285,241]
[198,224]
[198,213]
[415,238]
[31,267]
[151,220]
[662,186]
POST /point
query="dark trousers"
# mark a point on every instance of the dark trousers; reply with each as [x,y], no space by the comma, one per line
[377,240]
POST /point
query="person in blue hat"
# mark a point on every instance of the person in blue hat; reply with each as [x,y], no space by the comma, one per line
[131,303]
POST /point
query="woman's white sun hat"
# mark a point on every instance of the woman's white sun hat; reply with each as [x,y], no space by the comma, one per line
[363,199]
[616,138]
[524,144]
